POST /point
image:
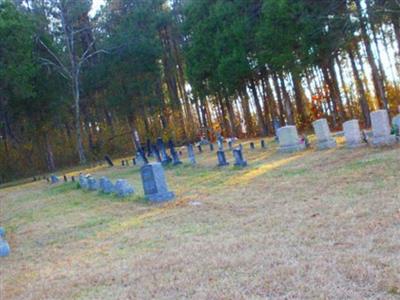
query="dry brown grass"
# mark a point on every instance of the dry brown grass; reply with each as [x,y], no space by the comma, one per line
[313,225]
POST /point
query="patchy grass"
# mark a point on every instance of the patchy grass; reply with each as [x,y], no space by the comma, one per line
[314,224]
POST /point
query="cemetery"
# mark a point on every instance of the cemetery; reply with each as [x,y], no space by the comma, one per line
[193,149]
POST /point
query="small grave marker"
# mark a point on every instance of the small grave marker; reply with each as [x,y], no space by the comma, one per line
[239,161]
[221,159]
[154,183]
[191,154]
[122,188]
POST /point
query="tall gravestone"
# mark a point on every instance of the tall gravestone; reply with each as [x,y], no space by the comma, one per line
[352,134]
[289,140]
[324,136]
[239,160]
[221,159]
[154,183]
[381,130]
[191,155]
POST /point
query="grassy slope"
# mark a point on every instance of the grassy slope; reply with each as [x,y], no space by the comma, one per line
[308,225]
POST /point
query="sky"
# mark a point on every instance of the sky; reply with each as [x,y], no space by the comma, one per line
[96,5]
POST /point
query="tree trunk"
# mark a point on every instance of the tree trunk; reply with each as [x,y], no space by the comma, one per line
[360,89]
[246,111]
[49,154]
[288,105]
[79,142]
[331,94]
[299,97]
[378,84]
[282,113]
[263,127]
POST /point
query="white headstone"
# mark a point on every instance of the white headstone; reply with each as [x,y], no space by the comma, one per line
[352,133]
[324,137]
[381,130]
[289,140]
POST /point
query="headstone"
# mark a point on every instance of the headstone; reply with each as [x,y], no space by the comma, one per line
[352,134]
[122,163]
[149,150]
[48,179]
[109,161]
[106,186]
[239,161]
[134,161]
[83,182]
[199,148]
[65,178]
[220,142]
[122,188]
[92,183]
[396,124]
[4,248]
[324,137]
[165,159]
[154,184]
[174,154]
[381,131]
[221,159]
[230,147]
[263,145]
[211,147]
[252,147]
[73,178]
[289,140]
[191,154]
[54,179]
[127,163]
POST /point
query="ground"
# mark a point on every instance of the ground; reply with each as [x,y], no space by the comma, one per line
[311,225]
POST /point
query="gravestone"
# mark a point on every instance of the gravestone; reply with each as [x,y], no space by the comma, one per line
[396,124]
[83,182]
[199,148]
[211,147]
[92,183]
[263,145]
[105,185]
[221,159]
[127,163]
[289,140]
[154,184]
[73,178]
[65,178]
[134,161]
[191,155]
[122,163]
[239,161]
[4,248]
[48,179]
[165,159]
[149,148]
[230,144]
[381,130]
[174,154]
[122,188]
[54,179]
[109,161]
[220,142]
[324,137]
[352,134]
[252,147]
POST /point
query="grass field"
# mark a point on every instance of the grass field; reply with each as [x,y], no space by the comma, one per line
[311,225]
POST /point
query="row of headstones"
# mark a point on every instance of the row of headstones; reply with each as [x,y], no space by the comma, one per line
[289,140]
[153,180]
[4,247]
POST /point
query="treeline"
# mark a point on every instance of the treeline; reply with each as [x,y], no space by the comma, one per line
[74,86]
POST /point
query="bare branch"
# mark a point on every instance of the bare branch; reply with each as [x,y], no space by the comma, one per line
[59,62]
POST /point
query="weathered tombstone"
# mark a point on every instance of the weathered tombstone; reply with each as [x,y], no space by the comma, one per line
[109,161]
[54,179]
[263,145]
[289,140]
[122,188]
[221,159]
[352,134]
[165,159]
[73,178]
[154,184]
[122,163]
[4,248]
[105,185]
[252,147]
[92,183]
[324,137]
[174,154]
[83,182]
[34,178]
[381,131]
[65,178]
[191,154]
[199,148]
[211,147]
[134,161]
[239,161]
[220,142]
[48,179]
